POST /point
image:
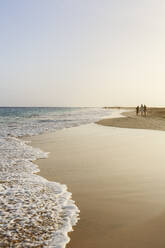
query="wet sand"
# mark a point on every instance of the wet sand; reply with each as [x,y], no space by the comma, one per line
[117,177]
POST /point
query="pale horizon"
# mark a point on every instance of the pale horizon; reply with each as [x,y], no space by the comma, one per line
[88,53]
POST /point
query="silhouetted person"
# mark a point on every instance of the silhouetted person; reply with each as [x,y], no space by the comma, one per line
[137,110]
[141,109]
[145,110]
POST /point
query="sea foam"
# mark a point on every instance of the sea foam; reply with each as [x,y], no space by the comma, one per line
[33,211]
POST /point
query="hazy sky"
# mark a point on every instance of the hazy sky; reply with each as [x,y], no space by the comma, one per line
[82,52]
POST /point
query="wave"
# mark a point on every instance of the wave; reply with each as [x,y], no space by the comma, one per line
[54,121]
[34,211]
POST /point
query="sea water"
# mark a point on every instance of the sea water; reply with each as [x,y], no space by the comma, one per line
[33,211]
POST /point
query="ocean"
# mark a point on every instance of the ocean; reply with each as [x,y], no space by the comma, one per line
[33,211]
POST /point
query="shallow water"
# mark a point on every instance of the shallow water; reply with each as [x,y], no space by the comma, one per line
[35,212]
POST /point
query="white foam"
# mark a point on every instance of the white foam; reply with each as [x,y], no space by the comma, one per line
[33,210]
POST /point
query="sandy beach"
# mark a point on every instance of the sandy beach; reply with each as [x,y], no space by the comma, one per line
[117,178]
[154,120]
[79,168]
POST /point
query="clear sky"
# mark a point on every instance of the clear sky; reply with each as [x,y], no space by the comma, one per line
[82,52]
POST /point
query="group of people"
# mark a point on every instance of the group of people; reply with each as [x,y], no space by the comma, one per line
[142,109]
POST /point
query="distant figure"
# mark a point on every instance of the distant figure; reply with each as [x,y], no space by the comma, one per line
[145,110]
[141,109]
[137,110]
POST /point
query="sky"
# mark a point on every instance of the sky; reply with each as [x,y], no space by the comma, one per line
[82,52]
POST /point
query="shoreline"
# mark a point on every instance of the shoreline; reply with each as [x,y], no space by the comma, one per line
[92,161]
[155,120]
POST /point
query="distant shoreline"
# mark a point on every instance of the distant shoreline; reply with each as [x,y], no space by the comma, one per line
[155,120]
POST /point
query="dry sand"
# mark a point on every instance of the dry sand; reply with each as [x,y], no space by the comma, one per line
[154,120]
[117,177]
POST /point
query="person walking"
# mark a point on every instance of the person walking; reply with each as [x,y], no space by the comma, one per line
[141,109]
[145,110]
[137,110]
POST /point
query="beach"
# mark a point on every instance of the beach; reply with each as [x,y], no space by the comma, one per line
[82,130]
[154,120]
[117,179]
